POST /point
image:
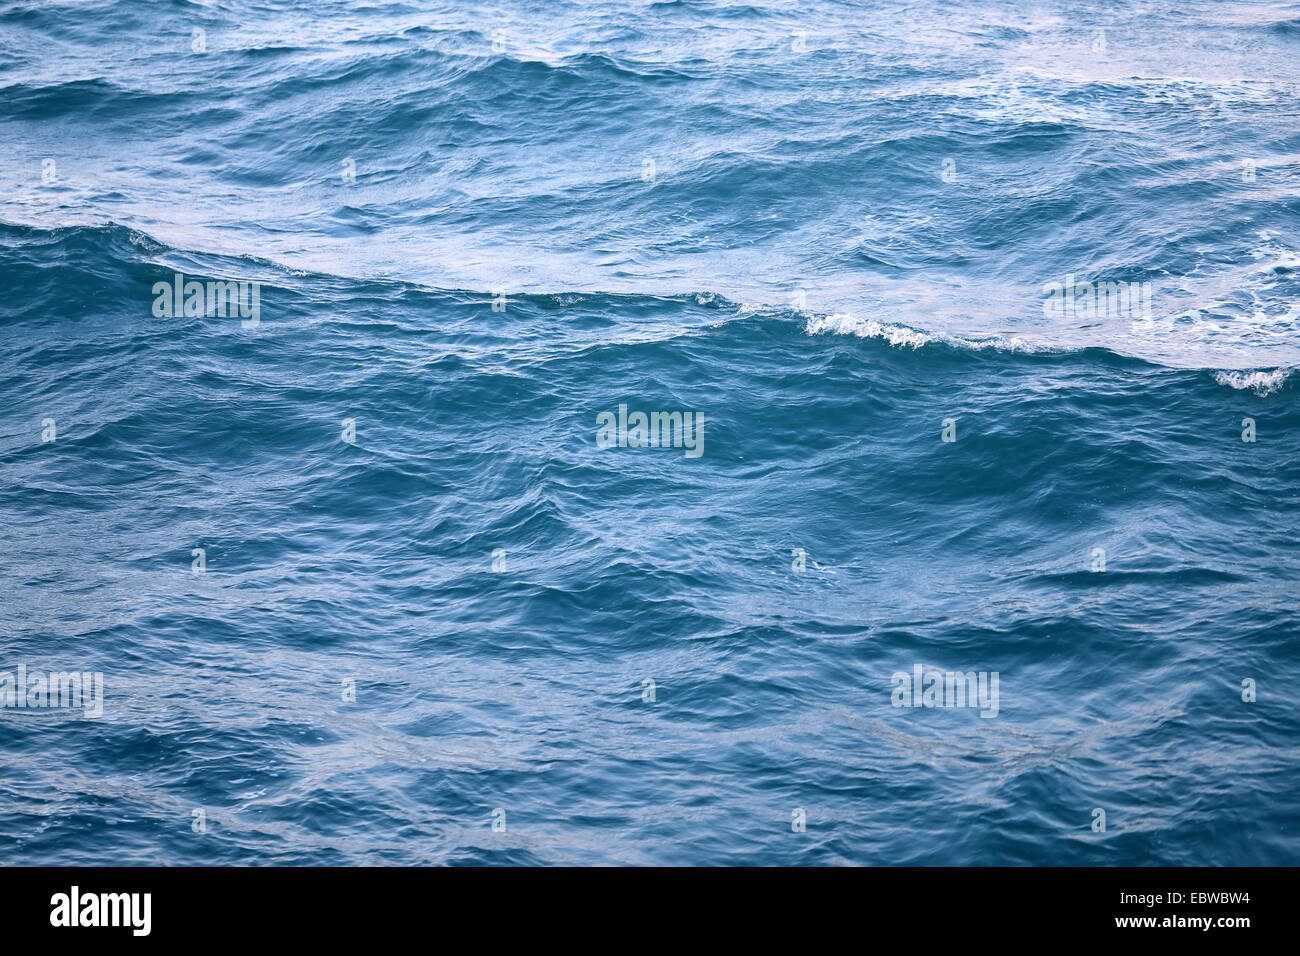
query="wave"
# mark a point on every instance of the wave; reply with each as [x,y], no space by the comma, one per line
[903,336]
[95,94]
[125,254]
[1262,382]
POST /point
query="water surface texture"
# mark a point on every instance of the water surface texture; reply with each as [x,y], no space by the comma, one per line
[369,579]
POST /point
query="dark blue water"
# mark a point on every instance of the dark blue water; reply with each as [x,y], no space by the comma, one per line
[438,620]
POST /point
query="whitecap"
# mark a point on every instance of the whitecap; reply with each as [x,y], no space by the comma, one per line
[1262,381]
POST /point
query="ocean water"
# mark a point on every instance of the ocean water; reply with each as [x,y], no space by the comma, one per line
[373,572]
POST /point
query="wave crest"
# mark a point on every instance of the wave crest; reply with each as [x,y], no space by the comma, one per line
[1262,381]
[841,323]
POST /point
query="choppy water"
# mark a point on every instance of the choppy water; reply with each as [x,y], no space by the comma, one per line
[826,228]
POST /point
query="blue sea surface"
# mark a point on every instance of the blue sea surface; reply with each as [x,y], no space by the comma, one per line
[371,579]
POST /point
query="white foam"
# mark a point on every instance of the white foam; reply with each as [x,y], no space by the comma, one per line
[902,336]
[1262,381]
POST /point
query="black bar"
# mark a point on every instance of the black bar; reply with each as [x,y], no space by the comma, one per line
[947,906]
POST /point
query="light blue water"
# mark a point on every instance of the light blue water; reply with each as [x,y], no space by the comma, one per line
[829,230]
